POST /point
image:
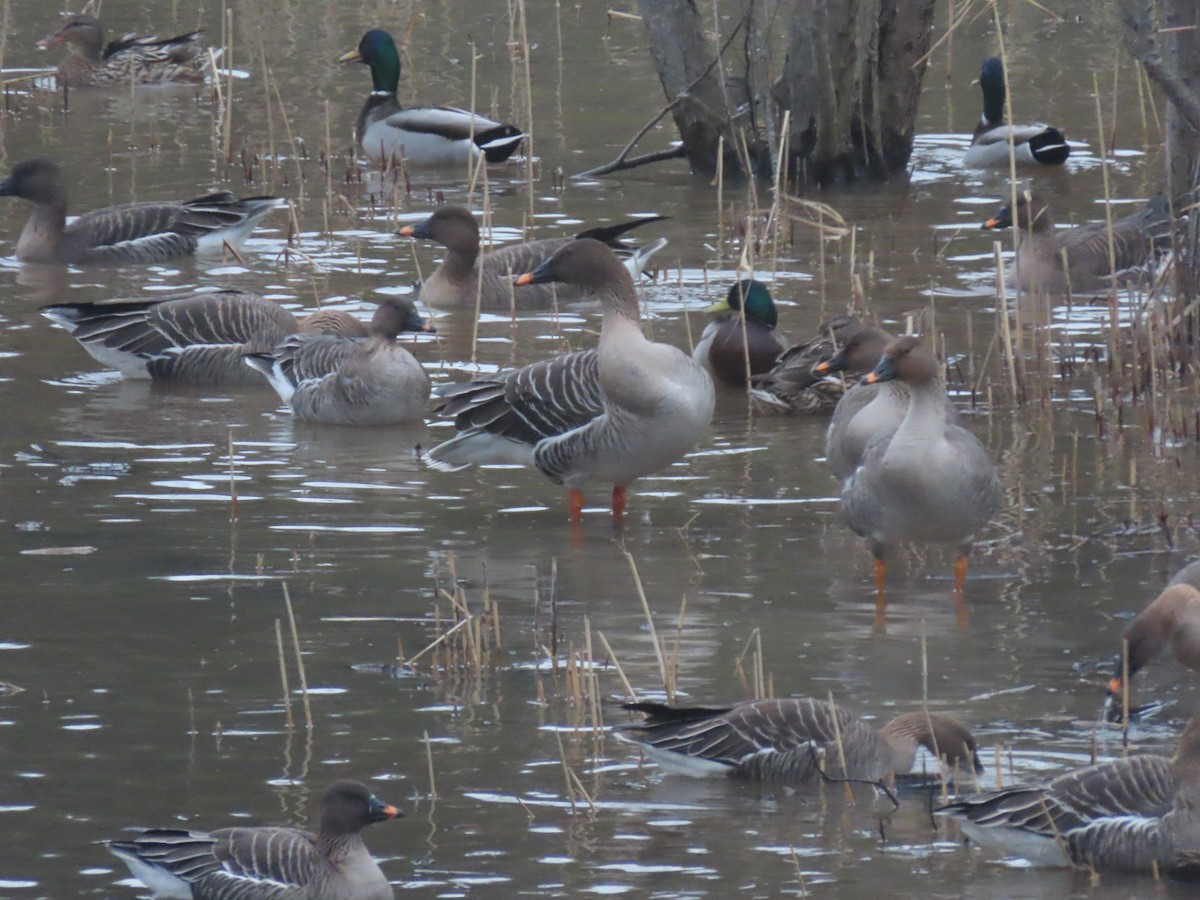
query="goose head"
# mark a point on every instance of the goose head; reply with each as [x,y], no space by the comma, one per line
[38,180]
[454,227]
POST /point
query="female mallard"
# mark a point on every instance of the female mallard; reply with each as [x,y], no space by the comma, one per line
[132,233]
[614,414]
[131,59]
[257,863]
[348,381]
[1077,260]
[1031,143]
[927,480]
[419,135]
[749,309]
[1134,814]
[794,385]
[793,740]
[465,273]
[195,338]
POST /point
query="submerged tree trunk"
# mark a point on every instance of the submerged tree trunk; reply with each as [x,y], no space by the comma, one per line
[851,82]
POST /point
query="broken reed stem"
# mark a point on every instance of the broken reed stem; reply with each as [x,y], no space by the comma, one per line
[287,600]
[429,762]
[562,756]
[283,677]
[841,748]
[668,683]
[1005,326]
[227,137]
[630,693]
[1108,223]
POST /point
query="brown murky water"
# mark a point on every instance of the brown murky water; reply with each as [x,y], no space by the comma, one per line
[152,687]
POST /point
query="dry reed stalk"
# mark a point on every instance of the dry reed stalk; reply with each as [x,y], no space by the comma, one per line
[433,795]
[841,749]
[799,871]
[529,152]
[232,482]
[562,756]
[1005,325]
[287,600]
[720,179]
[227,55]
[593,680]
[1108,223]
[283,677]
[668,683]
[630,693]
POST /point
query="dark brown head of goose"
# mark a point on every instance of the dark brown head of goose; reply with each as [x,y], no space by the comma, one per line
[395,315]
[585,262]
[860,353]
[906,359]
[1032,214]
[38,180]
[348,807]
[453,227]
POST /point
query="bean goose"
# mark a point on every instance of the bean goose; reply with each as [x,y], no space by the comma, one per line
[196,338]
[1135,814]
[614,414]
[419,135]
[925,481]
[348,381]
[130,59]
[464,273]
[257,863]
[990,143]
[792,740]
[747,309]
[866,411]
[132,233]
[792,385]
[1172,620]
[1040,266]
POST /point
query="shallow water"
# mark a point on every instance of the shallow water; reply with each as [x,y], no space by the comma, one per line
[141,621]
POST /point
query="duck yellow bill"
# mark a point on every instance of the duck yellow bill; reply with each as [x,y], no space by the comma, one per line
[349,56]
[527,278]
[719,307]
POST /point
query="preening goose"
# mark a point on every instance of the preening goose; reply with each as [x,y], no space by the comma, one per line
[195,338]
[351,381]
[792,385]
[925,481]
[132,233]
[722,349]
[1076,260]
[792,740]
[419,135]
[990,143]
[267,863]
[1134,814]
[136,59]
[626,409]
[464,271]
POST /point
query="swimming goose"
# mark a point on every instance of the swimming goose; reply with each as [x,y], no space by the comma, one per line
[464,271]
[1172,620]
[926,480]
[136,59]
[131,233]
[791,385]
[792,740]
[1039,266]
[1125,815]
[866,411]
[257,863]
[614,414]
[989,145]
[195,338]
[721,348]
[419,135]
[346,381]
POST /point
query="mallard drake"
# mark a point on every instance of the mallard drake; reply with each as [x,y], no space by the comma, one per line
[614,414]
[419,135]
[1039,265]
[926,480]
[256,863]
[865,411]
[348,381]
[792,740]
[465,273]
[136,59]
[791,385]
[1172,620]
[1031,143]
[1135,814]
[194,338]
[721,349]
[131,233]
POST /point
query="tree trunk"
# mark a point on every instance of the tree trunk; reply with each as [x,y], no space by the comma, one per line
[852,81]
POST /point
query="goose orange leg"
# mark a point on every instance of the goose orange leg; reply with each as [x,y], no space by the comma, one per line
[575,505]
[960,573]
[619,496]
